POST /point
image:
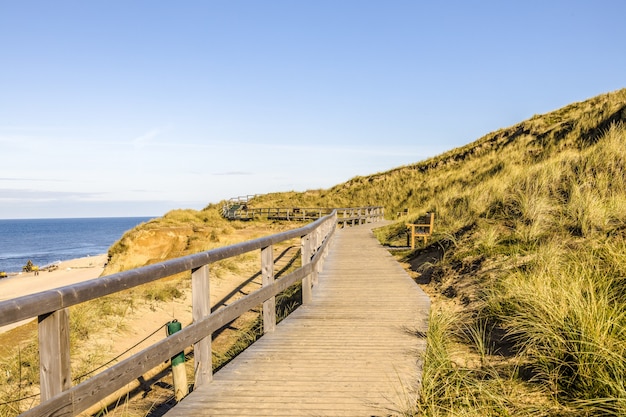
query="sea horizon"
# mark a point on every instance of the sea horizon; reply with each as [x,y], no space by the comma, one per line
[81,217]
[45,241]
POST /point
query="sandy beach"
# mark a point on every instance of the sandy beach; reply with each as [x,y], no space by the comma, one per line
[69,272]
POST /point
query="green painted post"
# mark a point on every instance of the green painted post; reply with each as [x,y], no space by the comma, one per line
[179,374]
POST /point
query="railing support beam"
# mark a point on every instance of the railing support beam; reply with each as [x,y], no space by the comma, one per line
[267,272]
[54,353]
[58,395]
[201,306]
[307,253]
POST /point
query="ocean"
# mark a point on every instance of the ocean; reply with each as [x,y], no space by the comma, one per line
[45,241]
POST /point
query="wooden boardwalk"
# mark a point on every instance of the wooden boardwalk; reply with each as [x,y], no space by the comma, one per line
[354,351]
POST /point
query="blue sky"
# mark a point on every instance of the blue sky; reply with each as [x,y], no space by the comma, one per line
[131,108]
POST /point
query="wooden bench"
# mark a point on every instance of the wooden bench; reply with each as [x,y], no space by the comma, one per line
[423,228]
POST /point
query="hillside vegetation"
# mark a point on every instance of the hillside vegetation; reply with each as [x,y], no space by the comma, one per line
[184,232]
[527,264]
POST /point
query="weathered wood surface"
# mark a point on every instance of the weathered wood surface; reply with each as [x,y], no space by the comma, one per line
[201,308]
[54,347]
[34,305]
[352,351]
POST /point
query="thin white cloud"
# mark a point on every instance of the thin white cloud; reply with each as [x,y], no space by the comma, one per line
[420,151]
[14,128]
[31,179]
[146,138]
[13,139]
[8,194]
[234,173]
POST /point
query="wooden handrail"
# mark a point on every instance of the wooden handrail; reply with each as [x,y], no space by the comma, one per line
[17,309]
[59,398]
[349,215]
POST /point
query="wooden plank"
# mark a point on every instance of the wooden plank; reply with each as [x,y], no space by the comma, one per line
[267,273]
[95,389]
[54,354]
[63,400]
[38,304]
[352,351]
[201,309]
[315,241]
[306,251]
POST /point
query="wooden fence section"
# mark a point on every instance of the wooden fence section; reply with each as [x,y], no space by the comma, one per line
[352,351]
[59,398]
[346,216]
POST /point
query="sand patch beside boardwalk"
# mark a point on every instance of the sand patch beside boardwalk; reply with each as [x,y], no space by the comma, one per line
[69,272]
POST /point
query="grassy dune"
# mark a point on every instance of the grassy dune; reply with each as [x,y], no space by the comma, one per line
[527,266]
[533,267]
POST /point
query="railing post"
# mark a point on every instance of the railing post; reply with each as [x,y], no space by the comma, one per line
[307,294]
[267,272]
[201,306]
[326,235]
[317,241]
[55,374]
[179,374]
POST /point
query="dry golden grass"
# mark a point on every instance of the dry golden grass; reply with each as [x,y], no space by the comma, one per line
[530,239]
[526,266]
[178,233]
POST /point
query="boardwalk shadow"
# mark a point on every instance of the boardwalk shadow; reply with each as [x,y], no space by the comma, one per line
[239,289]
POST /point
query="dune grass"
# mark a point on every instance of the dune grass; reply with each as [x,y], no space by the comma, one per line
[543,266]
[19,378]
[531,231]
[528,280]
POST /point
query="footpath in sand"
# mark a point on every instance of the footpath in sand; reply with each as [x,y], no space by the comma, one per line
[69,272]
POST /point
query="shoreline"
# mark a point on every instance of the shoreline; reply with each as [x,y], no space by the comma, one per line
[69,272]
[52,266]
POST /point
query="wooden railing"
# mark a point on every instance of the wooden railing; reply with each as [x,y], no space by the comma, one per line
[59,398]
[346,216]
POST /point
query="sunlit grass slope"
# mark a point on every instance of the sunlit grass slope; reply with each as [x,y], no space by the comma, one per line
[528,262]
[453,181]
